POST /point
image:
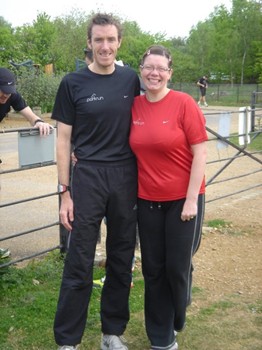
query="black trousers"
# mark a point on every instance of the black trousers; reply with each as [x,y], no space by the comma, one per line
[98,190]
[167,247]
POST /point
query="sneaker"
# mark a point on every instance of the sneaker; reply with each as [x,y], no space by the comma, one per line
[113,342]
[4,253]
[68,347]
[199,103]
[170,347]
[206,105]
[173,347]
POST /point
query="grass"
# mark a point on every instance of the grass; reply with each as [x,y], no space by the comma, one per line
[28,298]
[217,223]
[254,145]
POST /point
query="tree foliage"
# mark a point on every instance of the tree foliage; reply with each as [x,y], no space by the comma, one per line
[227,45]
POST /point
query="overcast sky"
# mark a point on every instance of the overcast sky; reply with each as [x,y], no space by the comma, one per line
[170,17]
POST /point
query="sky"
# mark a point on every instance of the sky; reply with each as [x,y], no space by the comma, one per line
[169,17]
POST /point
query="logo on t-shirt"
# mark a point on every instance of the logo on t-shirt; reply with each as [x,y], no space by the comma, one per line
[138,122]
[94,98]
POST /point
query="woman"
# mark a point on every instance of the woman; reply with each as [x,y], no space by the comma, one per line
[168,138]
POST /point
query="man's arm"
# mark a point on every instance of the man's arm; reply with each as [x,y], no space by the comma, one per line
[63,154]
[200,84]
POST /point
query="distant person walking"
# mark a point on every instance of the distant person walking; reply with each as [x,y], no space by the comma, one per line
[203,85]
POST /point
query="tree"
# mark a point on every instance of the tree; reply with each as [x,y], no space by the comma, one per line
[134,44]
[8,43]
[226,44]
[70,40]
[198,46]
[246,17]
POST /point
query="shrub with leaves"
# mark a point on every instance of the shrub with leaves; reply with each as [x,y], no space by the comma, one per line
[37,88]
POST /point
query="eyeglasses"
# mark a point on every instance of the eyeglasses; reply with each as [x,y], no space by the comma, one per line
[152,68]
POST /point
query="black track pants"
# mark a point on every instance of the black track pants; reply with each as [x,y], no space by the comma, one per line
[167,247]
[98,190]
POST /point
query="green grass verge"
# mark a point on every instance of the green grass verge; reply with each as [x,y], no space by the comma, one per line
[28,298]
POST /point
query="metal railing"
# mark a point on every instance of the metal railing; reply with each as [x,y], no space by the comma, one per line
[217,140]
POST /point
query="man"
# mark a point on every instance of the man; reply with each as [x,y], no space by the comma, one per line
[9,97]
[88,56]
[93,110]
[202,83]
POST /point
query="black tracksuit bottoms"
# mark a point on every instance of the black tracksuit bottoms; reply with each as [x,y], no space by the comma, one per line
[98,190]
[167,247]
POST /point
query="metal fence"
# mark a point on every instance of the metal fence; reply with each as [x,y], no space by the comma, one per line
[30,204]
[225,94]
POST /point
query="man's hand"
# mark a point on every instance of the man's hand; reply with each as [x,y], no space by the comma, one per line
[66,211]
[44,128]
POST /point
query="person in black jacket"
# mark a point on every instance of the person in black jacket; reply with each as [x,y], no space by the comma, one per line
[202,83]
[9,97]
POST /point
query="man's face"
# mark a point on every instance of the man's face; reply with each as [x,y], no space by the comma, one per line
[104,43]
[4,97]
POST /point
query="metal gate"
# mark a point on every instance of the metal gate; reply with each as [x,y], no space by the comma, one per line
[29,201]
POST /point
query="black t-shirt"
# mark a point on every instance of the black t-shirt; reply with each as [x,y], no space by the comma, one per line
[15,101]
[203,81]
[99,109]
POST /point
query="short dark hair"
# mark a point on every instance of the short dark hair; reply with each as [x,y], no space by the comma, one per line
[157,50]
[103,19]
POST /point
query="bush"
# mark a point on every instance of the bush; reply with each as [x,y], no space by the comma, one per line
[37,88]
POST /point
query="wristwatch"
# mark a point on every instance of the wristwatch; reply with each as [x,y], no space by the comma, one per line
[62,188]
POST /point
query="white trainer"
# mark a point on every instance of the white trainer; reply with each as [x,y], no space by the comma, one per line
[68,347]
[113,342]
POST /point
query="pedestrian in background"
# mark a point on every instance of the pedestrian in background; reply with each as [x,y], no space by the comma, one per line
[203,85]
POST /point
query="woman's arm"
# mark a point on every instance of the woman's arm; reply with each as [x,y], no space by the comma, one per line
[196,178]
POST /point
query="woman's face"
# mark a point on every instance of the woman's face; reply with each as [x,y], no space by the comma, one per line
[155,72]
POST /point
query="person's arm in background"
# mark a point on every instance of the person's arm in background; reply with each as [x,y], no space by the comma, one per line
[196,177]
[63,153]
[35,121]
[200,84]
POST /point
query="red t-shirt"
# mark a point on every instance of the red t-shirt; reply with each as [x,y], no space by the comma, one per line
[161,135]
